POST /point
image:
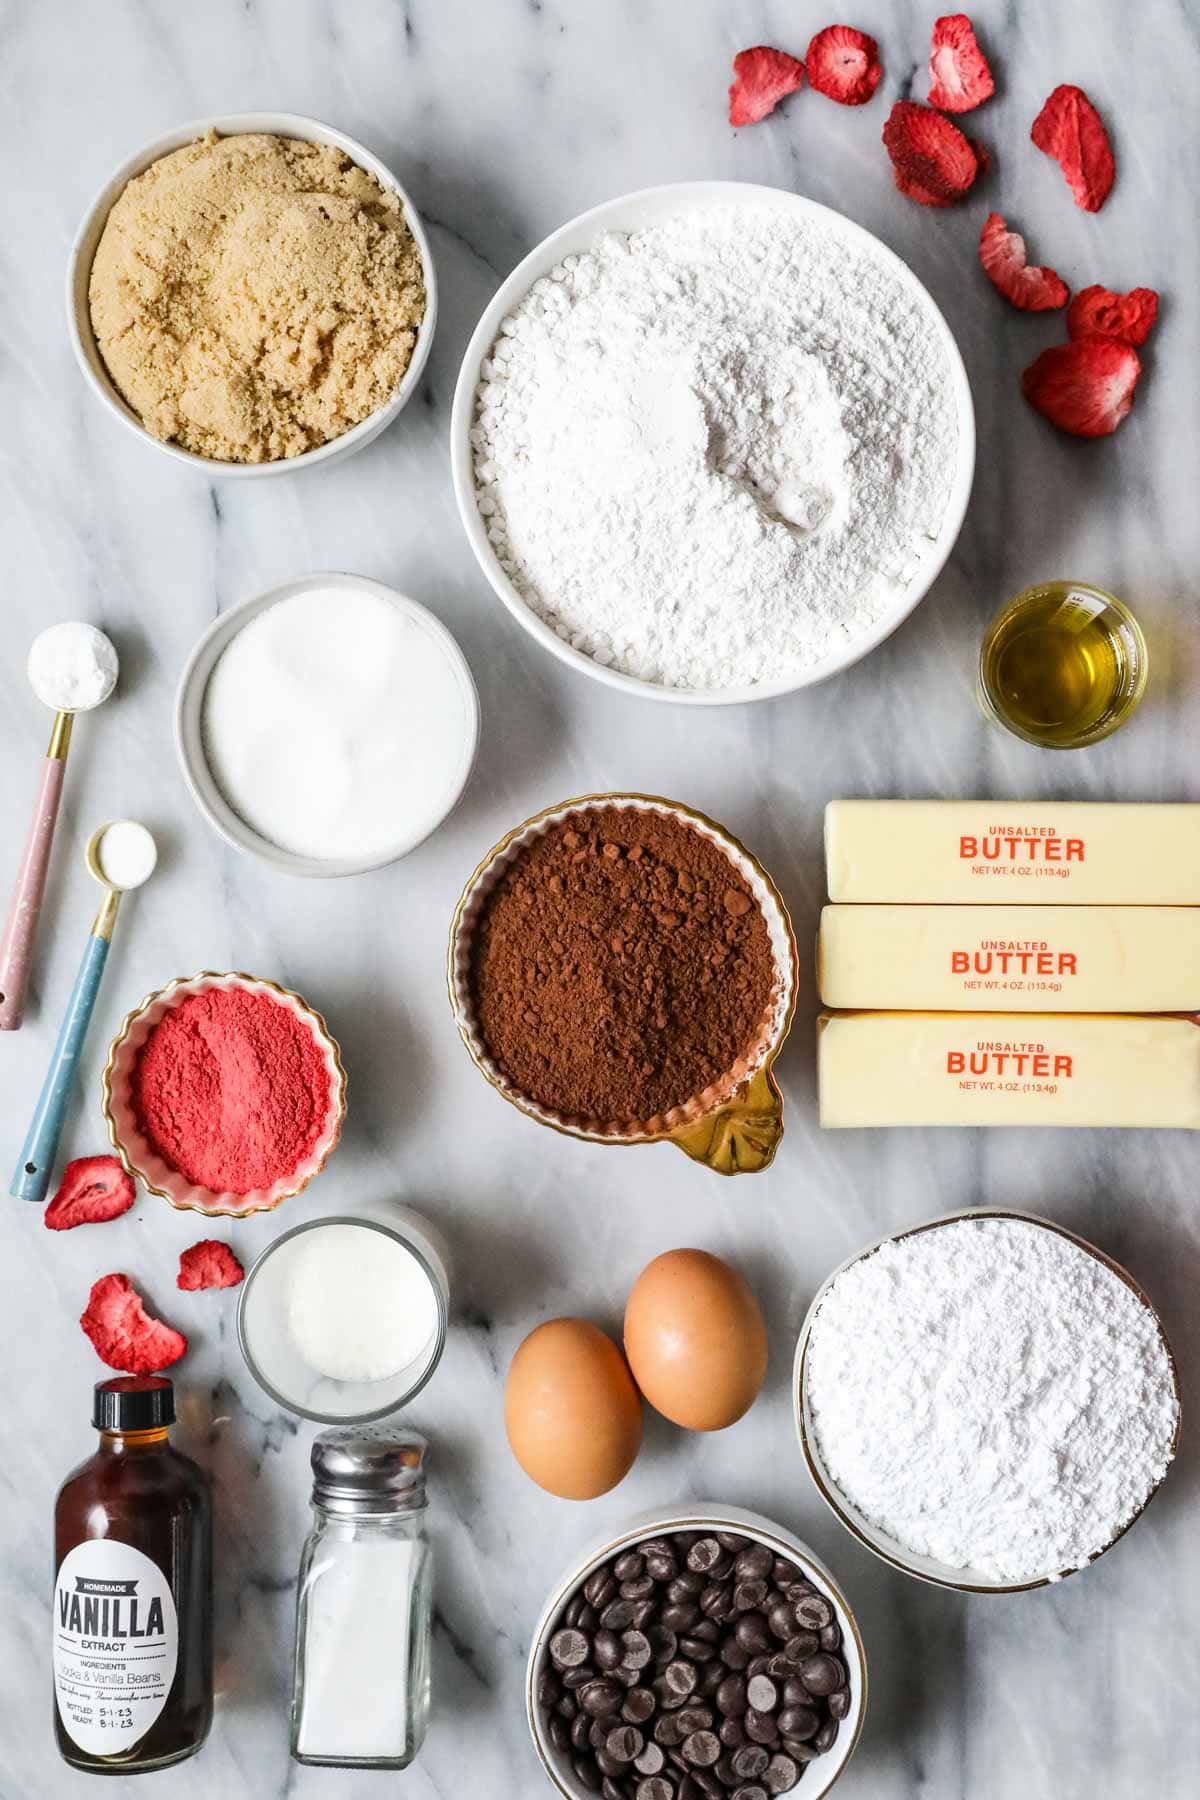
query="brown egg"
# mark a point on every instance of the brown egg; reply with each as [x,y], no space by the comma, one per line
[695,1339]
[572,1413]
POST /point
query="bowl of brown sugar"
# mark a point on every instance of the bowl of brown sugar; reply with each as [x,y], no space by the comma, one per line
[623,970]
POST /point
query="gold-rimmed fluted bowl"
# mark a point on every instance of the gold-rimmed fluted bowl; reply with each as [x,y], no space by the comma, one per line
[139,1157]
[896,1555]
[734,1125]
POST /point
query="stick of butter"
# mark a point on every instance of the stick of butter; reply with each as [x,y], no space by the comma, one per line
[880,1068]
[1115,959]
[1068,853]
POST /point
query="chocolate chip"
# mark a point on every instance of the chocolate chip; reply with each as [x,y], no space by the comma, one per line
[751,1632]
[655,1787]
[624,1742]
[798,1721]
[822,1674]
[781,1622]
[661,1565]
[577,1678]
[826,1737]
[704,1555]
[613,1790]
[600,1588]
[760,1727]
[734,1655]
[812,1612]
[698,1649]
[643,1612]
[750,1791]
[637,1588]
[749,1596]
[732,1734]
[606,1649]
[600,1698]
[560,1733]
[570,1648]
[831,1637]
[667,1730]
[696,1718]
[754,1563]
[617,1615]
[663,1643]
[839,1703]
[547,1689]
[802,1646]
[750,1761]
[731,1697]
[687,1585]
[638,1706]
[730,1540]
[629,1566]
[711,1676]
[783,1572]
[581,1727]
[762,1693]
[681,1615]
[781,1774]
[649,1760]
[567,1708]
[702,1749]
[588,1776]
[680,1677]
[635,1650]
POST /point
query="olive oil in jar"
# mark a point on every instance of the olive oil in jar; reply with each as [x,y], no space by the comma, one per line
[1063,665]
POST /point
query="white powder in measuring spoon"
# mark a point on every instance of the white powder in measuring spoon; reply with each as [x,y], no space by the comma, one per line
[990,1395]
[360,1305]
[712,452]
[338,724]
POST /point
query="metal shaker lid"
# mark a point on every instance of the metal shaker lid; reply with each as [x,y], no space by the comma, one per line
[369,1470]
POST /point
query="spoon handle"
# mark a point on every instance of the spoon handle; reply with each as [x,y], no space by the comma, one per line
[32,1175]
[20,926]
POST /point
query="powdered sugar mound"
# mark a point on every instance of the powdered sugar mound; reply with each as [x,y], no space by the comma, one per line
[990,1395]
[713,451]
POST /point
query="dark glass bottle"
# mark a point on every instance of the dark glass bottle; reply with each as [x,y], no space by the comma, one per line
[132,1629]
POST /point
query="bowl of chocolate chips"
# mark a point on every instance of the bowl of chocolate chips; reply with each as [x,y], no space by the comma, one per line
[623,970]
[701,1653]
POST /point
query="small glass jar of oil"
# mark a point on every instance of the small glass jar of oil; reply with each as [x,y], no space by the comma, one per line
[1063,665]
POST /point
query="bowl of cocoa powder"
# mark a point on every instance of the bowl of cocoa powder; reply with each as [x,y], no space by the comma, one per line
[622,969]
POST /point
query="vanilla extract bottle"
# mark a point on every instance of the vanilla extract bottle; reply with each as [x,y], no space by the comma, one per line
[132,1627]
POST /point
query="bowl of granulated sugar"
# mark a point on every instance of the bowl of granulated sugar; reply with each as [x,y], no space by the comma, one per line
[711,442]
[986,1401]
[328,726]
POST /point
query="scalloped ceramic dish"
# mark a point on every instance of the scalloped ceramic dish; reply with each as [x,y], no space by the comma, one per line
[146,1165]
[734,1126]
[926,1568]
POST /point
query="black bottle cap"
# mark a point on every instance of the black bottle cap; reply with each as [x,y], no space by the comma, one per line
[133,1403]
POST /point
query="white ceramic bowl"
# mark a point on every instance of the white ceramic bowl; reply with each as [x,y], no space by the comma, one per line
[632,212]
[927,1568]
[189,733]
[703,1515]
[83,250]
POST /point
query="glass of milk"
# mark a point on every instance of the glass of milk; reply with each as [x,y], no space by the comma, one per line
[344,1319]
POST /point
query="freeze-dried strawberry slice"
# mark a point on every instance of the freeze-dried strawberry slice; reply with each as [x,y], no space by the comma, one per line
[1098,312]
[93,1189]
[1069,129]
[959,77]
[123,1333]
[1085,387]
[843,64]
[208,1264]
[762,77]
[1002,253]
[934,162]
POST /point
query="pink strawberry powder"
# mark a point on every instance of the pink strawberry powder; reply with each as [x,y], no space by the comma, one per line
[232,1089]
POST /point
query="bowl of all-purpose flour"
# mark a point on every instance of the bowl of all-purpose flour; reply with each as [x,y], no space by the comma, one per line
[329,725]
[712,442]
[987,1401]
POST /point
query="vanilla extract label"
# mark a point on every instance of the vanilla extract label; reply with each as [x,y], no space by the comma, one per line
[116,1645]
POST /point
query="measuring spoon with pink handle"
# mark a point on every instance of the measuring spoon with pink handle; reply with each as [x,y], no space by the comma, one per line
[72,668]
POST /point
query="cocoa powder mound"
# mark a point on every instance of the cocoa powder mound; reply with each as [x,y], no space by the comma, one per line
[620,965]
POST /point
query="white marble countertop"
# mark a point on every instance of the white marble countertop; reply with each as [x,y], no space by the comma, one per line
[505,117]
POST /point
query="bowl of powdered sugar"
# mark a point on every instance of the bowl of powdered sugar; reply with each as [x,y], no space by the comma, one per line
[712,442]
[987,1401]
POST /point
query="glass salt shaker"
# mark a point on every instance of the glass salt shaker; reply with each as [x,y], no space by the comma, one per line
[360,1696]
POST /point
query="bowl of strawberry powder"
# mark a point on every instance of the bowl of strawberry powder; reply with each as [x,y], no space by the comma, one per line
[224,1093]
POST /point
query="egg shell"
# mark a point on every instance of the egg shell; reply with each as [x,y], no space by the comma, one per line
[695,1339]
[572,1413]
